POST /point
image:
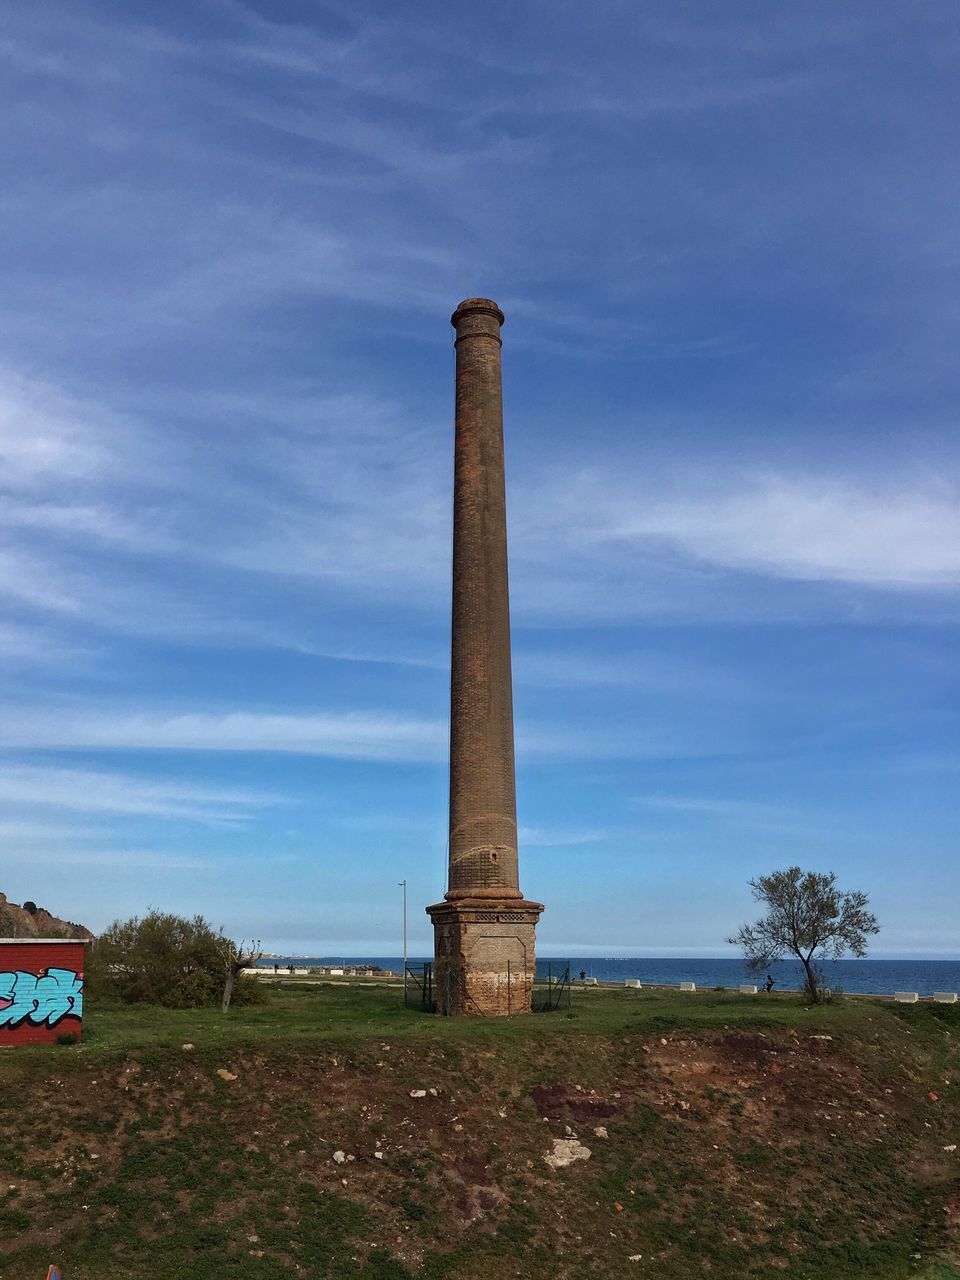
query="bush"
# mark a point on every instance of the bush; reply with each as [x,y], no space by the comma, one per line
[250,991]
[161,959]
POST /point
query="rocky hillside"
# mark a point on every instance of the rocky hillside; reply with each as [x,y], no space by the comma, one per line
[31,921]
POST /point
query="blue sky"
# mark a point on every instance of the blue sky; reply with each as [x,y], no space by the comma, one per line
[725,239]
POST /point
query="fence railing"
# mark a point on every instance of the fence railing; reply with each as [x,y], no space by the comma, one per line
[418,988]
[443,988]
[555,992]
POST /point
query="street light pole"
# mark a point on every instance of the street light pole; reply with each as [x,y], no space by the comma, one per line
[403,886]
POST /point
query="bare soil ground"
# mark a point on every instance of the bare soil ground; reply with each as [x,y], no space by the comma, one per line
[811,1151]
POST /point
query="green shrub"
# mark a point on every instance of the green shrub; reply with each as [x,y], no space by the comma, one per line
[249,991]
[166,960]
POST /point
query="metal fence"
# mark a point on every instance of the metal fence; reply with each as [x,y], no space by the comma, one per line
[555,993]
[442,989]
[418,988]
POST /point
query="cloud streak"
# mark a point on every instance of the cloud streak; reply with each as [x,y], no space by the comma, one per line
[120,793]
[815,528]
[351,495]
[356,735]
[232,239]
[538,837]
[112,860]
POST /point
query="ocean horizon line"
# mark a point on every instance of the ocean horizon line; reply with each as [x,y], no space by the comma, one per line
[875,975]
[366,954]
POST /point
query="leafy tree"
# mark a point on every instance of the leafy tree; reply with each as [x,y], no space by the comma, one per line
[164,959]
[808,917]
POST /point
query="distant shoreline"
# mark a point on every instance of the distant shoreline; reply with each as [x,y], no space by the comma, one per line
[874,976]
[395,980]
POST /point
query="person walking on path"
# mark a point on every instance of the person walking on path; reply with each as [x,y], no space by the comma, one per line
[768,985]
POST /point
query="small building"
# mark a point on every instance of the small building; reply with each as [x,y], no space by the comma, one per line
[41,990]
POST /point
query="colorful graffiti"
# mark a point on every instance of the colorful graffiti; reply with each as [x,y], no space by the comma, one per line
[40,999]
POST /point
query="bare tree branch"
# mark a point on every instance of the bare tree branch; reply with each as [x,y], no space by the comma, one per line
[236,957]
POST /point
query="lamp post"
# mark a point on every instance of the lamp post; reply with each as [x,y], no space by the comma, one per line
[403,885]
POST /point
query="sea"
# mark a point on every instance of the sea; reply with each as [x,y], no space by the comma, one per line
[877,977]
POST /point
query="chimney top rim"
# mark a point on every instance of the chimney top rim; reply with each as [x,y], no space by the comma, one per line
[477,306]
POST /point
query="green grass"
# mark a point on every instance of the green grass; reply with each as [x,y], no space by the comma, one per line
[129,1156]
[342,1012]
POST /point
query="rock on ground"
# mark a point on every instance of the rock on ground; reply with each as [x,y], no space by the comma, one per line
[566,1151]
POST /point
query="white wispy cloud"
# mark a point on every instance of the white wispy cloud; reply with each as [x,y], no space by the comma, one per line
[545,838]
[29,577]
[46,435]
[17,831]
[350,735]
[116,860]
[376,736]
[659,672]
[811,822]
[115,792]
[37,645]
[351,494]
[308,491]
[904,533]
[900,532]
[933,762]
[709,805]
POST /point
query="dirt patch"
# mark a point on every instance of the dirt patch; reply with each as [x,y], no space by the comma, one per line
[735,1147]
[794,1086]
[566,1102]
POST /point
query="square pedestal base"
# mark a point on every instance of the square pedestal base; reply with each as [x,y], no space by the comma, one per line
[484,955]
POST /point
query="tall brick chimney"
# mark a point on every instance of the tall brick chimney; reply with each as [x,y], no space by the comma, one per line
[484,928]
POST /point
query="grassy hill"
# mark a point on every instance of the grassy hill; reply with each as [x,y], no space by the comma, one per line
[728,1136]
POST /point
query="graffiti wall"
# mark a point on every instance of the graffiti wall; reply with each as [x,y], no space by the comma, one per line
[41,990]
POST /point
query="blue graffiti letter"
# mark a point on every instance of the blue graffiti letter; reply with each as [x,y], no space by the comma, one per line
[40,999]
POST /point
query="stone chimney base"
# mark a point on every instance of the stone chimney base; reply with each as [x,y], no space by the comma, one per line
[485,955]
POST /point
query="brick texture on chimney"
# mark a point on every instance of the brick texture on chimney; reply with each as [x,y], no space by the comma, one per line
[484,929]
